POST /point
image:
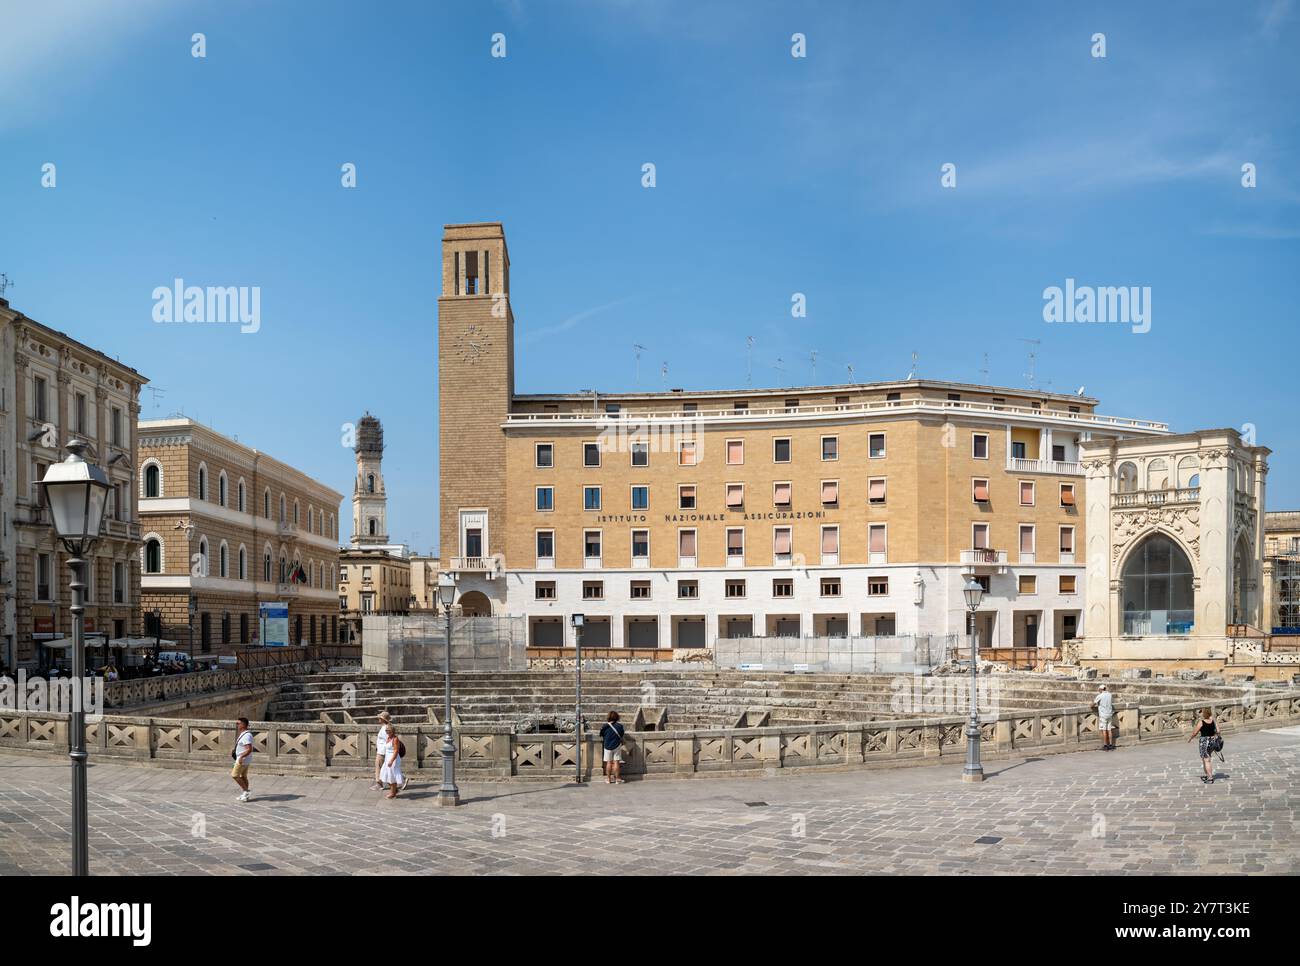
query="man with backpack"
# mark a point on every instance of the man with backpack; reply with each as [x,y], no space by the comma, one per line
[243,754]
[611,736]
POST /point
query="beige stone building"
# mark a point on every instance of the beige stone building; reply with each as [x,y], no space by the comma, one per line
[226,529]
[1282,572]
[671,519]
[52,389]
[371,581]
[424,583]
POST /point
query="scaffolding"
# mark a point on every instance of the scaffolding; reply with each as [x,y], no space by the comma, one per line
[1286,592]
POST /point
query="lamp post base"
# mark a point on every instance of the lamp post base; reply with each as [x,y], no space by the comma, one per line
[449,798]
[972,776]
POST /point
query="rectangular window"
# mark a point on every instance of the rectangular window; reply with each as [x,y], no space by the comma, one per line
[546,543]
[876,540]
[830,448]
[830,540]
[1018,451]
[876,491]
[830,586]
[980,491]
[590,454]
[686,452]
[544,590]
[640,498]
[830,492]
[42,576]
[640,590]
[640,454]
[640,543]
[781,494]
[1027,584]
[545,498]
[735,496]
[792,405]
[686,543]
[876,446]
[593,590]
[117,426]
[591,544]
[893,397]
[686,496]
[591,498]
[39,392]
[782,541]
[688,589]
[735,588]
[1067,539]
[119,583]
[877,586]
[1058,453]
[1067,583]
[780,450]
[741,407]
[782,588]
[1026,493]
[979,536]
[545,455]
[1026,538]
[1067,494]
[80,412]
[735,452]
[736,542]
[979,446]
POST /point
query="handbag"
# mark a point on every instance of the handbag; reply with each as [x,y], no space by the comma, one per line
[1216,744]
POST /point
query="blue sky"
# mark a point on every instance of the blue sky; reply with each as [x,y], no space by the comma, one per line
[775,175]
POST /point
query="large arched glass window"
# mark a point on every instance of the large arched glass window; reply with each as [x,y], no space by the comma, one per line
[152,481]
[1157,589]
[153,557]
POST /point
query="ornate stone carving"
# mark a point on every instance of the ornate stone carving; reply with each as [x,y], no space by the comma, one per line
[1184,522]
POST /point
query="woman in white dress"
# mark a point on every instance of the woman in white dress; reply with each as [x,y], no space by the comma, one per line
[391,775]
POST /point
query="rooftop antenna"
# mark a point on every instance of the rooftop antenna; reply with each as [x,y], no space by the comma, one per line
[5,282]
[985,371]
[780,366]
[749,360]
[638,349]
[912,372]
[663,373]
[1033,356]
[850,368]
[813,359]
[155,392]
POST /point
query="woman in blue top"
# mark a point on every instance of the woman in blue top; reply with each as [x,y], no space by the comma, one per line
[611,736]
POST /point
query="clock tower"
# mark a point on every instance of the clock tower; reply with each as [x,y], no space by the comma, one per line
[476,384]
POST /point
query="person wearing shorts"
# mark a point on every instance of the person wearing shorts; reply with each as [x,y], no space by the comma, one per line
[243,754]
[1104,702]
[611,736]
[1206,729]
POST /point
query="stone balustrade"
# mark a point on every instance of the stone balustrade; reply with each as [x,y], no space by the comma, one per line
[328,748]
[174,687]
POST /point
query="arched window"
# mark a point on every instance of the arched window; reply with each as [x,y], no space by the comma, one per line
[284,570]
[311,520]
[203,556]
[295,513]
[1157,589]
[1127,477]
[153,556]
[203,482]
[1157,475]
[266,565]
[221,489]
[1194,481]
[266,504]
[370,483]
[223,554]
[243,564]
[240,495]
[152,481]
[282,506]
[1188,470]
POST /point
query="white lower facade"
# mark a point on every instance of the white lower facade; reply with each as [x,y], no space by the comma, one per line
[917,599]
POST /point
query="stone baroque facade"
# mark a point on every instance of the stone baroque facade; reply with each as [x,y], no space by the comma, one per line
[230,527]
[52,389]
[1198,496]
[670,519]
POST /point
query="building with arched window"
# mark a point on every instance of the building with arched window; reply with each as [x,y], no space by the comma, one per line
[204,509]
[1175,550]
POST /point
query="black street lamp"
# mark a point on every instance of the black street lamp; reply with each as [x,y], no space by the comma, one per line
[448,794]
[76,492]
[974,771]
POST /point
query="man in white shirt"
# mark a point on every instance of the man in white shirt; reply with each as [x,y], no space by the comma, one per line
[1104,702]
[242,754]
[381,749]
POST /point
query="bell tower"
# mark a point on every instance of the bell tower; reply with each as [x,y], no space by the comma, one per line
[369,499]
[476,382]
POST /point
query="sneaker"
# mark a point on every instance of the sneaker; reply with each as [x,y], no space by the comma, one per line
[376,787]
[406,780]
[244,797]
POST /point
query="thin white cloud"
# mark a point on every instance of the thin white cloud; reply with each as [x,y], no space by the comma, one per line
[573,320]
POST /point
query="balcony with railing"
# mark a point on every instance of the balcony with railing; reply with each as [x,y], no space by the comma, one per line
[1141,498]
[487,565]
[983,559]
[122,529]
[1057,467]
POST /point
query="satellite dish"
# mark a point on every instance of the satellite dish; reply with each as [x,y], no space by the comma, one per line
[1079,391]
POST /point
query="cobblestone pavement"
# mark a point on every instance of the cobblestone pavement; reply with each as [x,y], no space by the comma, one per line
[1136,810]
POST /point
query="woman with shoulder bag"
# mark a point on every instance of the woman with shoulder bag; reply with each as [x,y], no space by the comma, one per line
[392,772]
[1207,730]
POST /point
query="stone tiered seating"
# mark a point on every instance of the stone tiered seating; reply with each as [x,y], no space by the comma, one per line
[694,698]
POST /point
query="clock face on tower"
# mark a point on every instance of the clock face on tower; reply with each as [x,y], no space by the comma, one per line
[472,344]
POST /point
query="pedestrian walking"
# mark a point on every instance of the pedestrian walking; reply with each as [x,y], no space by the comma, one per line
[243,754]
[611,736]
[1207,729]
[391,775]
[381,750]
[1104,702]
